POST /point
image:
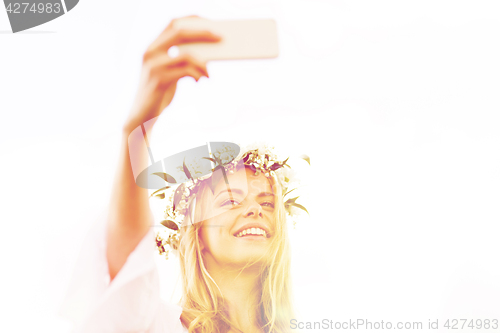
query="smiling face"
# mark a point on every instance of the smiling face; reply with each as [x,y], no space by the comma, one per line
[242,225]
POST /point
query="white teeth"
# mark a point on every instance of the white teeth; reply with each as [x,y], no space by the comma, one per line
[252,231]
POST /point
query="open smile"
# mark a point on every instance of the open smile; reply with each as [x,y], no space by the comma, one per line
[252,232]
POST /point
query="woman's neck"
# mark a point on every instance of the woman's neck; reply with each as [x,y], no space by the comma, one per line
[241,291]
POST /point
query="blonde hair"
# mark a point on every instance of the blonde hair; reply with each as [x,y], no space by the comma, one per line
[203,309]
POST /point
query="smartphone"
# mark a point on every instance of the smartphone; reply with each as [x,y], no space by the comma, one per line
[241,39]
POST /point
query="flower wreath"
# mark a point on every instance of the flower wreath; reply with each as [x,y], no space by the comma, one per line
[260,159]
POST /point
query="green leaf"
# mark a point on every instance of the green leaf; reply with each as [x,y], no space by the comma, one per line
[291,201]
[289,191]
[211,159]
[300,206]
[170,224]
[306,158]
[275,166]
[166,177]
[163,188]
[186,170]
[278,165]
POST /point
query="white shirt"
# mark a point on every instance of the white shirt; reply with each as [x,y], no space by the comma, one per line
[131,303]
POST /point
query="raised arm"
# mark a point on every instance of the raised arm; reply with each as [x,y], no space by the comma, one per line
[130,217]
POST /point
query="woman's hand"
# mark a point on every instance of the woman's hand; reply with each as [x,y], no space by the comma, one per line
[160,72]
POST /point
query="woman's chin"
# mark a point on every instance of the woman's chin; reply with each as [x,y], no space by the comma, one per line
[252,256]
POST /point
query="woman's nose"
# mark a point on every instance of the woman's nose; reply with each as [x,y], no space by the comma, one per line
[253,210]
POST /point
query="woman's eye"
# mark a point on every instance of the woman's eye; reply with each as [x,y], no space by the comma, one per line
[269,204]
[232,202]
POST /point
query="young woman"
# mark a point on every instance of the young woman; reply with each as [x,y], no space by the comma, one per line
[232,243]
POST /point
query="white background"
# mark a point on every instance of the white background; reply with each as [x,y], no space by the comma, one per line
[395,102]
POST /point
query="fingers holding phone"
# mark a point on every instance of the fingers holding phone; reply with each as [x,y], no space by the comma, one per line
[160,72]
[199,40]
